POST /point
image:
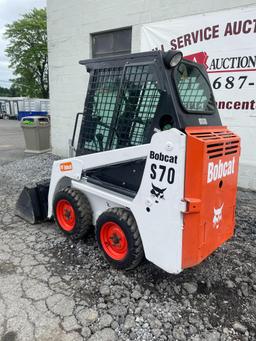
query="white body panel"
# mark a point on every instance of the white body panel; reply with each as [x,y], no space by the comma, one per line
[158,205]
[86,162]
[161,228]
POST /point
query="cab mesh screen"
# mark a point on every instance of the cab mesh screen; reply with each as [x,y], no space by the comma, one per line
[120,106]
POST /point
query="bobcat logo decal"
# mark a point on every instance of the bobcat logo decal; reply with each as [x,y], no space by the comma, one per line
[217,216]
[157,193]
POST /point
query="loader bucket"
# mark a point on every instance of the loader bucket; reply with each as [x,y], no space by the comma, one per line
[32,204]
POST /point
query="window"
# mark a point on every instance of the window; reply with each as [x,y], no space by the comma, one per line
[100,107]
[111,43]
[193,89]
[137,107]
[119,113]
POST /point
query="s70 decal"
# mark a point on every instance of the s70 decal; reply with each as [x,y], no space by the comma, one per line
[161,172]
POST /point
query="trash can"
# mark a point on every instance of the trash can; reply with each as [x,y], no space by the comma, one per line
[36,131]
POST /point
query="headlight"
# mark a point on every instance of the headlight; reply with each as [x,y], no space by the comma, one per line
[172,58]
[175,60]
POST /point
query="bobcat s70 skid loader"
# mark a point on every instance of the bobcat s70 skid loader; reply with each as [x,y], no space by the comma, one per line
[155,171]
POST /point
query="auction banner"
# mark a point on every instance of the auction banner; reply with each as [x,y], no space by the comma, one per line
[225,43]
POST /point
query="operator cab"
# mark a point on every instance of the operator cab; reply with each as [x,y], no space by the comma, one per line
[130,97]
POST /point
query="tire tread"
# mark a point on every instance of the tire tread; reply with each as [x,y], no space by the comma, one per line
[138,252]
[84,219]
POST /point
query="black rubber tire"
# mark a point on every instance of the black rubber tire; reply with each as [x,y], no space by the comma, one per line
[82,210]
[125,219]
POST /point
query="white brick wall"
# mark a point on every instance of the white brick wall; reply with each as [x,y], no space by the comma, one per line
[70,24]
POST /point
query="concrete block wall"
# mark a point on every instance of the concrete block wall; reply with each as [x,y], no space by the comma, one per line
[70,24]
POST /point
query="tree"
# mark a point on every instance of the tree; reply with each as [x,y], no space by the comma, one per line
[27,51]
[4,92]
[12,92]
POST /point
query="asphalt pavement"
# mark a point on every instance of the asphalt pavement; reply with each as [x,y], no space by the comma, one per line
[12,144]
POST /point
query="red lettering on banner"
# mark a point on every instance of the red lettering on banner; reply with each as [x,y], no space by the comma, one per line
[173,44]
[212,32]
[215,31]
[207,33]
[238,27]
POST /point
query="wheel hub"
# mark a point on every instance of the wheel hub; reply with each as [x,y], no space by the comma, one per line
[65,215]
[114,241]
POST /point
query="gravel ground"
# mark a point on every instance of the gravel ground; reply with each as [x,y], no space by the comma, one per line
[53,289]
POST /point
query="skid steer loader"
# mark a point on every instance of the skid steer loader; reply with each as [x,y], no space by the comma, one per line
[155,171]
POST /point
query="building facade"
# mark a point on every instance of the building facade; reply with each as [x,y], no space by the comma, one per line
[81,29]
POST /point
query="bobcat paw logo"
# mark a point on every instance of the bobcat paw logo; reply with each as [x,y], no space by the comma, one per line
[217,216]
[157,193]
